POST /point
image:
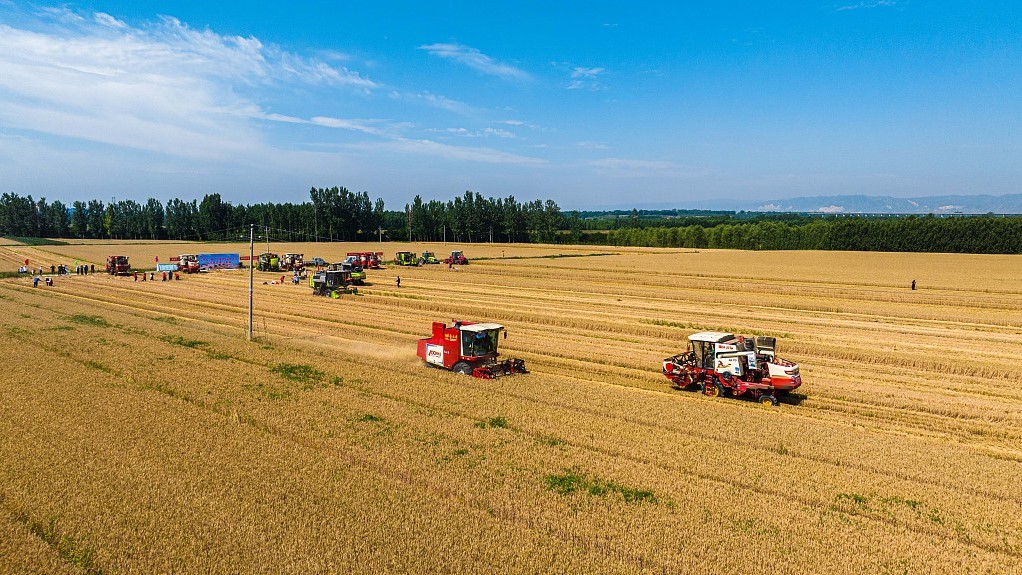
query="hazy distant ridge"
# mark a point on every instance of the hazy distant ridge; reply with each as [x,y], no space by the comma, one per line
[1007,204]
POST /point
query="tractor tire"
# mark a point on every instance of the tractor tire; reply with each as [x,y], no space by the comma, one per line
[712,389]
[462,367]
[769,400]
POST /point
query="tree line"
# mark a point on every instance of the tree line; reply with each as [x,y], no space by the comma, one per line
[337,214]
[332,214]
[973,234]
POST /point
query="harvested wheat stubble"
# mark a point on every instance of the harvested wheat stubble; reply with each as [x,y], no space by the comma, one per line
[169,443]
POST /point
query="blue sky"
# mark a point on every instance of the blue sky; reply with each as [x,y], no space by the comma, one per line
[595,104]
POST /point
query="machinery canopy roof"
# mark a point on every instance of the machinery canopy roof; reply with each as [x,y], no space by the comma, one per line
[481,326]
[711,336]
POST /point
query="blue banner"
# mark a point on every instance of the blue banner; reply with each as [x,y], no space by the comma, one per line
[219,261]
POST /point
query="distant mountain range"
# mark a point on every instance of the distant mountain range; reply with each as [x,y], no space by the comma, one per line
[1008,204]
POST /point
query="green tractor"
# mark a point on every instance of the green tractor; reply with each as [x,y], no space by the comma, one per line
[406,259]
[268,262]
[333,283]
[428,258]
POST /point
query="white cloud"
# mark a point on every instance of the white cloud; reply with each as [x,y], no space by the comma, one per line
[108,20]
[476,60]
[592,145]
[438,149]
[165,88]
[830,209]
[868,4]
[435,101]
[580,72]
[585,78]
[485,132]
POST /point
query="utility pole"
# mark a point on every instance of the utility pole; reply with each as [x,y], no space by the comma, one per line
[251,268]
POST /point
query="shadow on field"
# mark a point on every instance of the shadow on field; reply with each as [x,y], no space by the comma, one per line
[790,398]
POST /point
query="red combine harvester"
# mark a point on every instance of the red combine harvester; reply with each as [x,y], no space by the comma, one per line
[369,260]
[468,348]
[721,363]
[188,263]
[457,258]
[117,265]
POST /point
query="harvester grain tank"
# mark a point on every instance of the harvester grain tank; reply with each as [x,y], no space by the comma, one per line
[722,363]
[406,259]
[117,265]
[268,262]
[456,258]
[468,348]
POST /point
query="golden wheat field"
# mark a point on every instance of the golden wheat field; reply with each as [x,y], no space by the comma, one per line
[140,432]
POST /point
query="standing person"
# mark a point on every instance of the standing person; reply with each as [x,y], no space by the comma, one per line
[152,276]
[135,275]
[398,281]
[35,281]
[92,268]
[53,269]
[913,285]
[164,277]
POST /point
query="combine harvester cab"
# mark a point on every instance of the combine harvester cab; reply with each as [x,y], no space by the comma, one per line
[468,348]
[721,363]
[352,265]
[292,263]
[406,259]
[117,265]
[368,260]
[268,262]
[188,263]
[332,283]
[456,258]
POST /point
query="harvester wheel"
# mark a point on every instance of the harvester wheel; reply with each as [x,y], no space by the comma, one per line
[769,399]
[462,367]
[712,389]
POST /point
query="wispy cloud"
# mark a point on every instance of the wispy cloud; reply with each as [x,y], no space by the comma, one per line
[868,4]
[476,60]
[435,101]
[484,133]
[592,145]
[166,88]
[586,78]
[447,151]
[631,168]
